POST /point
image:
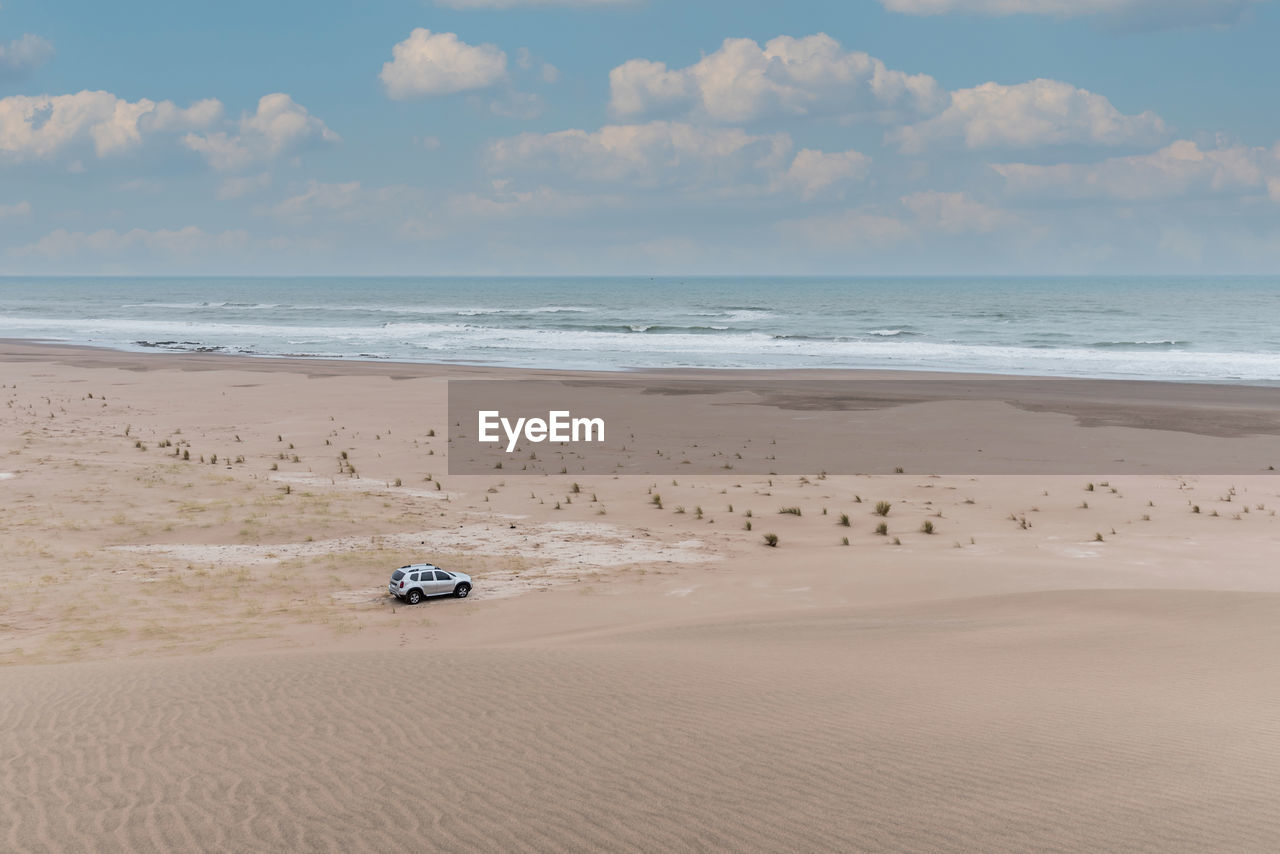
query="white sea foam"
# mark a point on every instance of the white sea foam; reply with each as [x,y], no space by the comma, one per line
[1144,329]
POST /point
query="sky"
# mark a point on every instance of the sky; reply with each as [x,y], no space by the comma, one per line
[643,137]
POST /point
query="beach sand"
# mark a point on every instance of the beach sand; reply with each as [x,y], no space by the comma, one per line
[201,655]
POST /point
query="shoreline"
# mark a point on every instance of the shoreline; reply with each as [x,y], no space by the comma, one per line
[31,349]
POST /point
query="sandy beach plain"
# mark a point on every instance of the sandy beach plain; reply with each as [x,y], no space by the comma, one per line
[201,655]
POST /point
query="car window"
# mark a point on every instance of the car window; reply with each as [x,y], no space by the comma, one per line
[413,577]
[397,575]
[443,576]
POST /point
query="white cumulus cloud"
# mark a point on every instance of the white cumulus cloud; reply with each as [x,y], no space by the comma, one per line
[954,213]
[347,201]
[1026,115]
[1179,169]
[279,126]
[655,154]
[428,63]
[43,125]
[812,172]
[788,76]
[15,209]
[23,54]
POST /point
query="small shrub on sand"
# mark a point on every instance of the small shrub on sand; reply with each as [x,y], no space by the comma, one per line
[793,511]
[844,520]
[1097,538]
[771,540]
[882,529]
[844,541]
[927,527]
[883,508]
[1088,487]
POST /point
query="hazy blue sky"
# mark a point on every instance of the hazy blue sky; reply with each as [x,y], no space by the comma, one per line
[640,136]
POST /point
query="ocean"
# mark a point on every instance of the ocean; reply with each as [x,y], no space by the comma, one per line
[1189,328]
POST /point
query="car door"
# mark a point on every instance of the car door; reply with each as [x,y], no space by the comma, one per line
[429,585]
[444,582]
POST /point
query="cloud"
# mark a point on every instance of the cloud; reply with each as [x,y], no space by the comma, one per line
[954,213]
[679,156]
[39,126]
[320,197]
[861,229]
[1179,169]
[62,244]
[430,63]
[16,209]
[279,126]
[511,4]
[1146,13]
[1026,115]
[528,62]
[167,117]
[742,81]
[24,54]
[646,155]
[348,201]
[812,172]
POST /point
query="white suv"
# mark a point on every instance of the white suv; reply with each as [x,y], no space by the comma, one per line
[417,581]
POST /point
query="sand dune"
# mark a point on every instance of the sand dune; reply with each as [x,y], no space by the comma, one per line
[1144,721]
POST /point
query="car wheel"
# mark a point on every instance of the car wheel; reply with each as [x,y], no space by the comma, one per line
[414,597]
[462,590]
